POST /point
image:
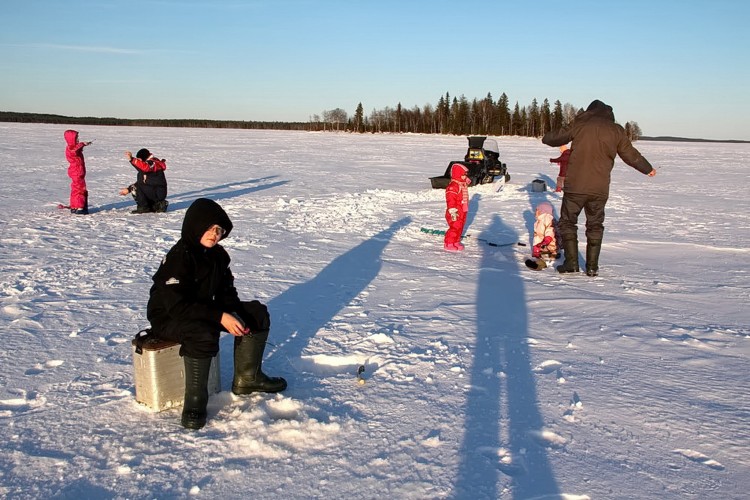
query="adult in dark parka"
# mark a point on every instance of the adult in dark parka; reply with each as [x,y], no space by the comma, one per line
[193,299]
[597,140]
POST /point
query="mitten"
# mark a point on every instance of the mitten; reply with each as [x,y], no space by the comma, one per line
[453,212]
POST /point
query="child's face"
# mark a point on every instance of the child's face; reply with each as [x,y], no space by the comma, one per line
[212,236]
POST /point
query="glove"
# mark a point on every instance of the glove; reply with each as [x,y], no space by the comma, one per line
[453,212]
[546,241]
[255,315]
[536,251]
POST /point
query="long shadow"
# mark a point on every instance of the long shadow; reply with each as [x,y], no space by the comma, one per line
[473,209]
[183,200]
[198,193]
[502,348]
[217,196]
[302,310]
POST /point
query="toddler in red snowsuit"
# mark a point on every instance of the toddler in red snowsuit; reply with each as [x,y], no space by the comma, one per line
[562,160]
[457,201]
[79,195]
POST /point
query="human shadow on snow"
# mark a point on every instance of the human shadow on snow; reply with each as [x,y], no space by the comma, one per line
[502,389]
[301,311]
[216,193]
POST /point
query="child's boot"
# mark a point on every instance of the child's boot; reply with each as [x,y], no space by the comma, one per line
[248,358]
[194,412]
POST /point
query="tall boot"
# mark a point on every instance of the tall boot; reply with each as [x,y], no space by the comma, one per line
[196,392]
[593,247]
[248,358]
[570,250]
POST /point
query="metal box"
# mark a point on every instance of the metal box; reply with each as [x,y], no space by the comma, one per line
[160,375]
[538,185]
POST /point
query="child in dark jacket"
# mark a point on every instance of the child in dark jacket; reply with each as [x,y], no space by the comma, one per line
[150,188]
[457,206]
[562,160]
[79,195]
[193,299]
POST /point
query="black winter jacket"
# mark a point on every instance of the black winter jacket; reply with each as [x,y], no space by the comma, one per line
[194,282]
[597,140]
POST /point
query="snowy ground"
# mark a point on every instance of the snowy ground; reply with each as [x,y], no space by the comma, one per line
[483,379]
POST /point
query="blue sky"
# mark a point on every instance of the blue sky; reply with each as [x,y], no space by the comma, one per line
[675,67]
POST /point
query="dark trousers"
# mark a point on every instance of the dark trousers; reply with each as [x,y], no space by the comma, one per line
[200,339]
[147,195]
[572,206]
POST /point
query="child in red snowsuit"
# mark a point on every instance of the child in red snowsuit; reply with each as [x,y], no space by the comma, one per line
[545,232]
[150,188]
[457,201]
[562,160]
[79,195]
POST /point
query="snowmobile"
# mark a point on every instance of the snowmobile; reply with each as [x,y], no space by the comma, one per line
[483,161]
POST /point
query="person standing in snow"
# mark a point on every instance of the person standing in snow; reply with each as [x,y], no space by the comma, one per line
[562,160]
[596,141]
[193,299]
[150,188]
[79,195]
[457,201]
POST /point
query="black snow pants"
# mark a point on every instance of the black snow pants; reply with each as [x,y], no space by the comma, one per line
[572,205]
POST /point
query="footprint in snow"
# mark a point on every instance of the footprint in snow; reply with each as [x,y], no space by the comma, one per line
[42,367]
[548,367]
[23,403]
[700,458]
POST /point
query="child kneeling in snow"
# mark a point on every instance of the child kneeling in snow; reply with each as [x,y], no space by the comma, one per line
[457,201]
[193,299]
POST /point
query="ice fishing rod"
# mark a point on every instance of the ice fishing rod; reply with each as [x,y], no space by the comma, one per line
[469,235]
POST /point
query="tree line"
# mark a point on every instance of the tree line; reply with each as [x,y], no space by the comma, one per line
[454,116]
[9,116]
[458,116]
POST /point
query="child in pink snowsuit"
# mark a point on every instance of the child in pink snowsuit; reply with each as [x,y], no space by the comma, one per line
[79,195]
[457,201]
[545,232]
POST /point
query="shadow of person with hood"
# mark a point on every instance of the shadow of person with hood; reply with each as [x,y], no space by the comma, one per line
[305,308]
[502,361]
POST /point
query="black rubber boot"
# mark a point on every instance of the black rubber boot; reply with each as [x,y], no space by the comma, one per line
[196,392]
[593,247]
[570,250]
[141,209]
[248,358]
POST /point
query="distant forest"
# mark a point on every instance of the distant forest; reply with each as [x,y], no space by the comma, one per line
[451,115]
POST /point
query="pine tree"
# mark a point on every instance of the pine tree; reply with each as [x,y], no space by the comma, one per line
[359,119]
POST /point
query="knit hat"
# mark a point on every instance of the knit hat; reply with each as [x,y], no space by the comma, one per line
[545,207]
[143,154]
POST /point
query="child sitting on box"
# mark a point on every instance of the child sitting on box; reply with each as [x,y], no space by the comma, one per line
[193,299]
